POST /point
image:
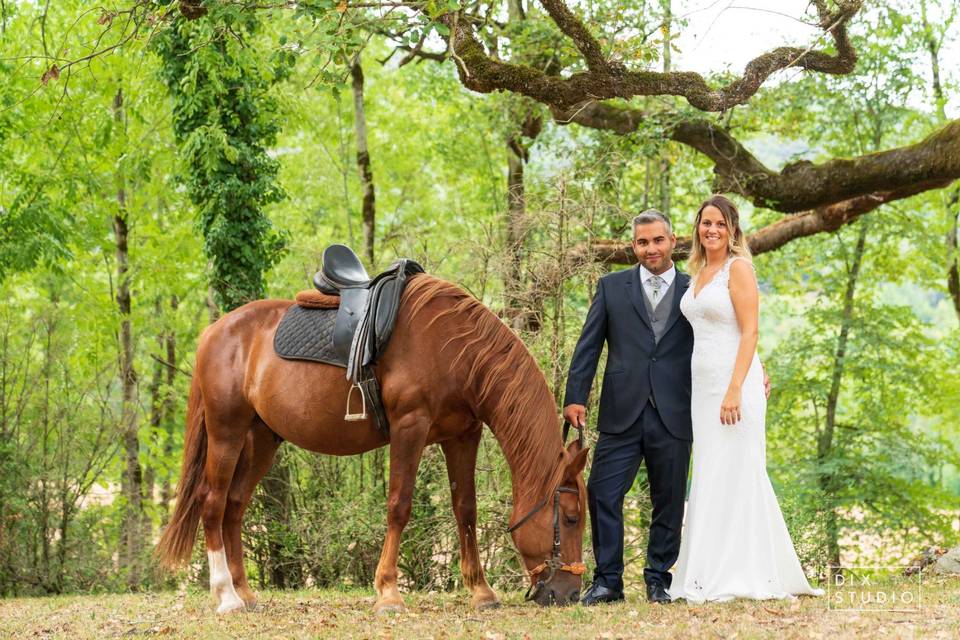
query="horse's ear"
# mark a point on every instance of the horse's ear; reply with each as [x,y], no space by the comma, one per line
[577,464]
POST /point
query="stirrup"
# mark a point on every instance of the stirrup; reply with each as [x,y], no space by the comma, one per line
[353,417]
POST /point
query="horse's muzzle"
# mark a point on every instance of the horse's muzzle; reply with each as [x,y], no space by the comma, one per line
[548,593]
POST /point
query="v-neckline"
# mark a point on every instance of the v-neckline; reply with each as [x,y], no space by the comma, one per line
[696,294]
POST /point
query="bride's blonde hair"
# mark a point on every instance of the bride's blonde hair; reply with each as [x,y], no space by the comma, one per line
[735,243]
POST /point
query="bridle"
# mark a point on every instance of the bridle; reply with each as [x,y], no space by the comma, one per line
[555,562]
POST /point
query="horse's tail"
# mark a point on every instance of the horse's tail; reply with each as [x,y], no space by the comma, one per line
[176,544]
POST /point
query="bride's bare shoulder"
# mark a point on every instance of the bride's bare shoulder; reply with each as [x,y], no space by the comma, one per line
[741,263]
[742,272]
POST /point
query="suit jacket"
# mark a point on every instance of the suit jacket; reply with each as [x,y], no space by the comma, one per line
[638,367]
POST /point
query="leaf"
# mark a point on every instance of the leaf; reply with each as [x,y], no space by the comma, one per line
[53,73]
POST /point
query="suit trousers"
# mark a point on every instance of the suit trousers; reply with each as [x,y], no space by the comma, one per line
[616,460]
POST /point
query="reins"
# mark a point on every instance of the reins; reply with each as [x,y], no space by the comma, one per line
[555,562]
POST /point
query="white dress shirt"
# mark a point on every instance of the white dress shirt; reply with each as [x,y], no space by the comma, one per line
[667,276]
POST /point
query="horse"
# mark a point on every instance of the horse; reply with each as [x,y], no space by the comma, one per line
[450,367]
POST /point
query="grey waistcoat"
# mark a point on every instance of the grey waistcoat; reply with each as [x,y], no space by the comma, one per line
[658,317]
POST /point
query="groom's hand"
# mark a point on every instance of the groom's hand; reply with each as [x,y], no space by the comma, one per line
[766,381]
[575,414]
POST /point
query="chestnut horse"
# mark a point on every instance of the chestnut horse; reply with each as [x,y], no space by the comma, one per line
[451,366]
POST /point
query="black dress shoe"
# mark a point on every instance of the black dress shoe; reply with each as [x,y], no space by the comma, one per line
[597,594]
[657,593]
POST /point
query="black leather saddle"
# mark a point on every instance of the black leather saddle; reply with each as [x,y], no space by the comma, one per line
[365,319]
[341,269]
[368,306]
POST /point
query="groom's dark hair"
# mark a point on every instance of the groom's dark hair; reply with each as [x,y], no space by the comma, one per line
[651,215]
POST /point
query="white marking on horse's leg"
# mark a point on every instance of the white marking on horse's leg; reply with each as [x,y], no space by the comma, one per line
[221,583]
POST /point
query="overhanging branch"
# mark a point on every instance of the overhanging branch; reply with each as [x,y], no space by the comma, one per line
[482,72]
[769,238]
[932,163]
[571,25]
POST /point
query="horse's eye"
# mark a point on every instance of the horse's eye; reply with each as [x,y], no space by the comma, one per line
[571,520]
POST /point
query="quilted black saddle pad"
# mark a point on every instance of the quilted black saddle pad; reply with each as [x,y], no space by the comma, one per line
[307,334]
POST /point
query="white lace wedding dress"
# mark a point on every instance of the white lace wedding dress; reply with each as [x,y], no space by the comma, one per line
[735,543]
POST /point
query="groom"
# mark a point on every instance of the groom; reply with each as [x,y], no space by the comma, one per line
[644,406]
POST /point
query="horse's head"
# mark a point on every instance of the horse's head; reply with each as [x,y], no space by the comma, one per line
[550,536]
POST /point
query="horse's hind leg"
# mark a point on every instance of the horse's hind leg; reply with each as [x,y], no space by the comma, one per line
[255,460]
[461,457]
[406,447]
[226,436]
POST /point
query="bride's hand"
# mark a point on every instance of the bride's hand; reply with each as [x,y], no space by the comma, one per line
[730,407]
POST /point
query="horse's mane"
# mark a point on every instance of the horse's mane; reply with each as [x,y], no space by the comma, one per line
[493,354]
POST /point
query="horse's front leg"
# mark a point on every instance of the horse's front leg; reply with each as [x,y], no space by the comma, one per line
[407,438]
[461,456]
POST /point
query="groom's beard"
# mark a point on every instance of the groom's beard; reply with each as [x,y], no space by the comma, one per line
[661,266]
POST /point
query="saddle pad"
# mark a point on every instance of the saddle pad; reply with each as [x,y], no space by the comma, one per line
[307,334]
[314,299]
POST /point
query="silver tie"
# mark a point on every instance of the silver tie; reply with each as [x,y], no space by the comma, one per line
[656,282]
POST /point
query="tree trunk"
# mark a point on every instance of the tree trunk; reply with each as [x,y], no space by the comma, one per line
[825,442]
[953,256]
[213,311]
[132,485]
[522,307]
[933,48]
[169,409]
[66,513]
[45,533]
[363,164]
[940,104]
[275,494]
[516,212]
[368,211]
[558,333]
[156,420]
[664,158]
[517,307]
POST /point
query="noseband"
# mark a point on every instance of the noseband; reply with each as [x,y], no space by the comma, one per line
[555,562]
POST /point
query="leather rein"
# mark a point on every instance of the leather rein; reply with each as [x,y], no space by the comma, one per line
[555,562]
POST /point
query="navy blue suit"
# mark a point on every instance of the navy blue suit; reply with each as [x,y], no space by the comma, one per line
[644,413]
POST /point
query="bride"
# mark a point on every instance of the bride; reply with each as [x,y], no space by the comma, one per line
[735,543]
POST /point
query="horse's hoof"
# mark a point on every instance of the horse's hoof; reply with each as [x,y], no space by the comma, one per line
[387,609]
[230,605]
[487,605]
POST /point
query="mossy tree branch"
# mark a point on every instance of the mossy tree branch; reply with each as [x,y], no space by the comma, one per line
[932,163]
[604,80]
[769,238]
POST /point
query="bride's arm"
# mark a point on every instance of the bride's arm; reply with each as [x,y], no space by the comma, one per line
[746,304]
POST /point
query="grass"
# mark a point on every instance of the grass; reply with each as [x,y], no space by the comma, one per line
[337,614]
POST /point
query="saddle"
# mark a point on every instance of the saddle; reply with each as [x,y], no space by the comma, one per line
[347,322]
[368,307]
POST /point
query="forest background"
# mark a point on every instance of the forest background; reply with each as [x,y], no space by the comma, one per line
[164,161]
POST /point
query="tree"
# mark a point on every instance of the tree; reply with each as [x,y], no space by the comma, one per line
[225,120]
[584,89]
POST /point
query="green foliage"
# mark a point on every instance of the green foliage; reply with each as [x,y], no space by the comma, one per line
[225,119]
[876,473]
[32,231]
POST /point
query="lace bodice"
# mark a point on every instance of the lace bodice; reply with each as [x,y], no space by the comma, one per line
[716,333]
